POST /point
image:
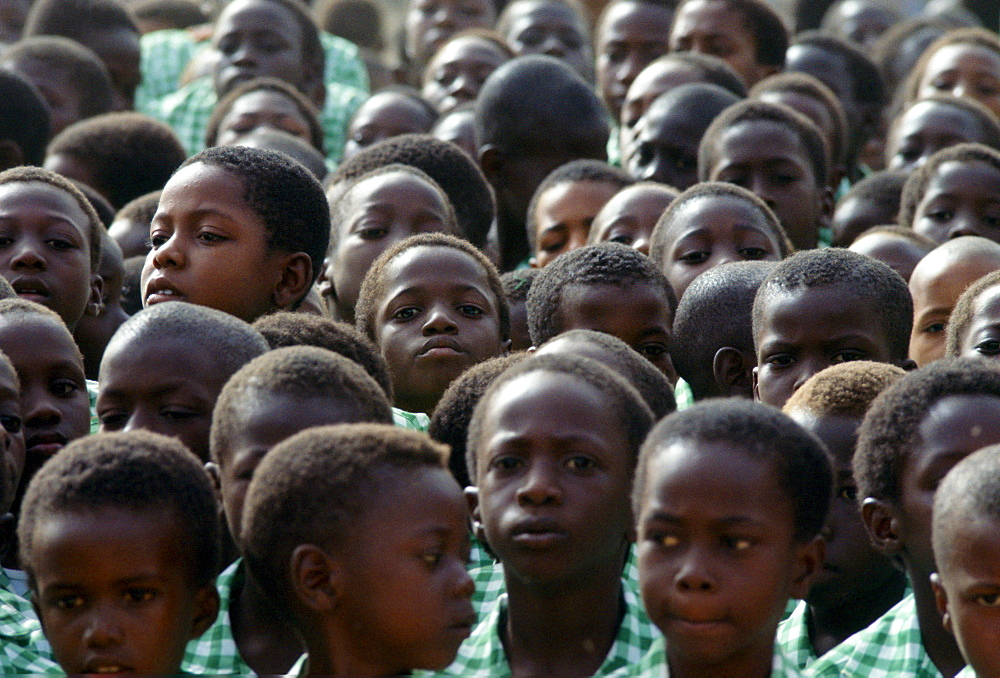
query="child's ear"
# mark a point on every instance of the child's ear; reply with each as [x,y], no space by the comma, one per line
[882,526]
[808,561]
[826,207]
[472,499]
[295,280]
[734,372]
[95,303]
[756,389]
[491,161]
[316,577]
[206,609]
[941,600]
[213,471]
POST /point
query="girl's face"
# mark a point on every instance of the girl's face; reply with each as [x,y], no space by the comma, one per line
[964,70]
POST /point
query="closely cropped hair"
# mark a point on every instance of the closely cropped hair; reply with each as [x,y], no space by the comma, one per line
[714,70]
[412,95]
[305,372]
[919,241]
[454,171]
[141,209]
[283,193]
[375,284]
[625,403]
[80,64]
[658,241]
[575,171]
[916,185]
[892,50]
[305,108]
[359,21]
[762,433]
[752,110]
[127,154]
[92,228]
[450,421]
[24,117]
[494,38]
[606,263]
[516,283]
[769,32]
[715,312]
[969,493]
[961,316]
[316,488]
[987,120]
[871,281]
[868,87]
[172,13]
[286,328]
[891,428]
[76,19]
[979,37]
[135,471]
[844,390]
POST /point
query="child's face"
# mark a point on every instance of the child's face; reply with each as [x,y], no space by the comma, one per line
[717,555]
[811,107]
[964,70]
[638,314]
[716,28]
[862,23]
[768,159]
[896,252]
[664,148]
[962,198]
[458,128]
[57,87]
[262,108]
[438,318]
[45,249]
[428,23]
[925,129]
[11,439]
[651,82]
[457,72]
[807,330]
[160,384]
[407,594]
[563,215]
[629,217]
[631,36]
[711,231]
[55,408]
[554,474]
[210,248]
[982,338]
[111,593]
[382,211]
[382,117]
[552,28]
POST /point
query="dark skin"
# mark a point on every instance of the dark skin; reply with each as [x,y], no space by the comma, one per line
[265,642]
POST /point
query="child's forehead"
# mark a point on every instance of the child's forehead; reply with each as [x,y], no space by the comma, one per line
[759,140]
[964,54]
[553,400]
[961,178]
[24,198]
[398,186]
[48,336]
[711,208]
[264,14]
[149,357]
[428,264]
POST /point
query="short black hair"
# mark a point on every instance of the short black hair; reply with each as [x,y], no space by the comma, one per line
[769,32]
[762,433]
[969,495]
[374,287]
[919,241]
[978,36]
[105,212]
[317,486]
[871,281]
[891,428]
[884,189]
[286,197]
[575,171]
[410,94]
[76,19]
[451,417]
[296,148]
[79,63]
[714,70]
[172,13]
[916,184]
[516,284]
[844,390]
[989,124]
[305,108]
[133,471]
[659,242]
[454,171]
[752,110]
[866,80]
[961,314]
[127,154]
[359,21]
[605,263]
[24,117]
[286,328]
[305,372]
[714,312]
[626,405]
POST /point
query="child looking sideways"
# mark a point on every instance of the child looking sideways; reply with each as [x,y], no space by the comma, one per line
[629,217]
[973,324]
[242,230]
[360,536]
[935,123]
[434,306]
[729,500]
[120,542]
[963,62]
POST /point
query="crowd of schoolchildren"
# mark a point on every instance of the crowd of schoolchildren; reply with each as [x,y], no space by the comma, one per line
[561,338]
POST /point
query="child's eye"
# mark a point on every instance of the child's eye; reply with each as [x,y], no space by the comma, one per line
[112,421]
[156,240]
[373,232]
[553,247]
[847,356]
[432,558]
[667,541]
[470,310]
[139,595]
[623,238]
[60,244]
[941,215]
[209,237]
[753,253]
[847,492]
[698,257]
[71,602]
[580,463]
[177,413]
[780,360]
[652,351]
[63,388]
[736,543]
[934,328]
[506,463]
[404,314]
[988,599]
[11,423]
[988,347]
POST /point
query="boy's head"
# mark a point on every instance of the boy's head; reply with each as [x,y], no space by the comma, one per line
[747,34]
[11,437]
[956,192]
[831,405]
[294,147]
[901,249]
[711,224]
[275,396]
[964,62]
[360,533]
[939,121]
[966,514]
[861,22]
[730,497]
[629,217]
[778,154]
[564,206]
[712,339]
[609,288]
[516,284]
[54,244]
[130,229]
[164,368]
[664,142]
[386,114]
[972,327]
[73,80]
[24,122]
[125,519]
[457,71]
[427,25]
[823,307]
[459,128]
[873,201]
[272,229]
[434,306]
[913,434]
[263,102]
[552,448]
[936,284]
[559,28]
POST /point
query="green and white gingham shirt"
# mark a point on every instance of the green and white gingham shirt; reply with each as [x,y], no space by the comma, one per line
[654,664]
[415,421]
[890,648]
[215,651]
[793,637]
[967,672]
[23,648]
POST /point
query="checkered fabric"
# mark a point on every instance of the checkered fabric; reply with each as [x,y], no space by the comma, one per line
[215,651]
[654,664]
[415,421]
[23,648]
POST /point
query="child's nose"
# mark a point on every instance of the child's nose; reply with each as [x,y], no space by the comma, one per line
[439,320]
[539,487]
[693,574]
[40,412]
[169,254]
[27,255]
[103,628]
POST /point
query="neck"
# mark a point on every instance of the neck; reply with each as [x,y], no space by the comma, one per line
[829,626]
[752,662]
[940,645]
[513,243]
[265,640]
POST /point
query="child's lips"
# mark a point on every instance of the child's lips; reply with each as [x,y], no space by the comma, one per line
[31,289]
[537,533]
[158,289]
[440,346]
[45,444]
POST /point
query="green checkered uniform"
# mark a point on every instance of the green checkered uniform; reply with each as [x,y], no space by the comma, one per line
[967,672]
[683,395]
[23,648]
[890,648]
[215,651]
[654,664]
[415,421]
[92,388]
